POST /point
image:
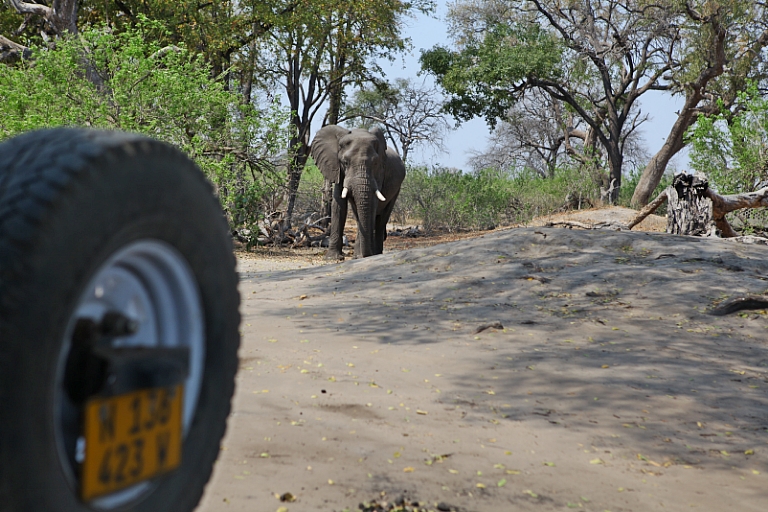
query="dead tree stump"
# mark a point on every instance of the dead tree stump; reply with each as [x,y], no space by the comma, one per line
[689,208]
[696,209]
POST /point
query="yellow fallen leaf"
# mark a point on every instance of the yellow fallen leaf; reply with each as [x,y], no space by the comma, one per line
[304,371]
[749,452]
[513,471]
[282,509]
[480,486]
[419,411]
[597,461]
[302,297]
[409,469]
[550,464]
[755,472]
[330,482]
[453,471]
[264,455]
[490,392]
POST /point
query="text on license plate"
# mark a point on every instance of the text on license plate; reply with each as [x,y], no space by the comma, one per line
[130,438]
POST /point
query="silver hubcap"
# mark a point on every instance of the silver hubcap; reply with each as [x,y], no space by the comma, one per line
[149,282]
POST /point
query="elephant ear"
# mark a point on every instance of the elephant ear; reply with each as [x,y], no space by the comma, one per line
[379,133]
[325,151]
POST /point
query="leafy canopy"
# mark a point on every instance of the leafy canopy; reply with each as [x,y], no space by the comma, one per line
[488,76]
[733,149]
[127,81]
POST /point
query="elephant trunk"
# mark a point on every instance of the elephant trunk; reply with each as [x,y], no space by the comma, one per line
[362,192]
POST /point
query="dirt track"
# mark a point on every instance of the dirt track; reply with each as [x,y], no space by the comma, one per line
[606,386]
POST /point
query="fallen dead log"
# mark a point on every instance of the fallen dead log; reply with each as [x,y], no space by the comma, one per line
[696,209]
[583,225]
[493,325]
[750,302]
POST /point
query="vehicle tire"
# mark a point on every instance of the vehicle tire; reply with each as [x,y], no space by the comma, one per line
[78,209]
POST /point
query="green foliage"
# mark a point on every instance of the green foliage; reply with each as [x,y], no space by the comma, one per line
[732,150]
[630,183]
[126,81]
[309,199]
[534,195]
[447,198]
[485,77]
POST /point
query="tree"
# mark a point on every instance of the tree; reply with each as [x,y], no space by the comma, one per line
[45,21]
[222,31]
[733,149]
[164,92]
[411,114]
[598,57]
[720,48]
[318,49]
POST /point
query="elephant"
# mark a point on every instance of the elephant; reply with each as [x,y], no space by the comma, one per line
[366,175]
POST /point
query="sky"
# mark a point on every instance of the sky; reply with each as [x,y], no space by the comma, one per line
[427,31]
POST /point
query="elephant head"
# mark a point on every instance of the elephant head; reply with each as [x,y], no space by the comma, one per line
[366,175]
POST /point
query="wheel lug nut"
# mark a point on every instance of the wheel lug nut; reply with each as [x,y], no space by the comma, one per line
[115,323]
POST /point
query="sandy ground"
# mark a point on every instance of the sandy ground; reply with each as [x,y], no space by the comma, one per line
[603,384]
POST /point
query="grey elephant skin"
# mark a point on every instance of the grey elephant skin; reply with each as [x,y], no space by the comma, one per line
[367,176]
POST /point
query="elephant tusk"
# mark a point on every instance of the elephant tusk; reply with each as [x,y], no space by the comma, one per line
[380,196]
[344,193]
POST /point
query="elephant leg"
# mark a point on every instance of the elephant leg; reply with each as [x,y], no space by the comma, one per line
[338,220]
[380,230]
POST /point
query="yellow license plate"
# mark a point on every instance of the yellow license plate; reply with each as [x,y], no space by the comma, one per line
[130,438]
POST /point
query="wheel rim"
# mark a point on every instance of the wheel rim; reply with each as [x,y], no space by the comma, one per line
[150,282]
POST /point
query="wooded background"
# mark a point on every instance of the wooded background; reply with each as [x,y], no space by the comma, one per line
[241,86]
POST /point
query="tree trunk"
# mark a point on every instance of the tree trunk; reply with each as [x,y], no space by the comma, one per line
[689,211]
[11,51]
[653,172]
[695,209]
[298,162]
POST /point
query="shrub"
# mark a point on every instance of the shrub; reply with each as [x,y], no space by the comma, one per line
[439,197]
[126,81]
